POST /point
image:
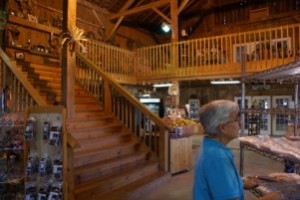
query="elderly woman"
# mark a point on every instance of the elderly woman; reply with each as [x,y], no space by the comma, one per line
[216,176]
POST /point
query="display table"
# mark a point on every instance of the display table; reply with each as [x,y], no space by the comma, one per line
[290,191]
[181,154]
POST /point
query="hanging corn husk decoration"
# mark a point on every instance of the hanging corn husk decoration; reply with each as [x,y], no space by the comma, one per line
[74,37]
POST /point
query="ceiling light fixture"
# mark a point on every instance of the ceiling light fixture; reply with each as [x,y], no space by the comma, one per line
[146,95]
[225,82]
[160,85]
[165,27]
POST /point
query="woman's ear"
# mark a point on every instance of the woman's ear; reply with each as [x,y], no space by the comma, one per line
[222,128]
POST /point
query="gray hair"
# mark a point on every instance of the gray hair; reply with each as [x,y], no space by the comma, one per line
[216,113]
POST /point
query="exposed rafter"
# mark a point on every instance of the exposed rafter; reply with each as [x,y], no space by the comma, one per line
[125,7]
[162,15]
[139,9]
[182,6]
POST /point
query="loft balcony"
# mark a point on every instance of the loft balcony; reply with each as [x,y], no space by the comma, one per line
[203,58]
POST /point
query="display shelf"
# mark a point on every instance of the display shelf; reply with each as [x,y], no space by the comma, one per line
[33,52]
[286,73]
[32,25]
[253,124]
[46,135]
[273,111]
[268,154]
[11,156]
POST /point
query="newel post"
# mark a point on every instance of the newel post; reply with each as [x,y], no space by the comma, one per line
[164,150]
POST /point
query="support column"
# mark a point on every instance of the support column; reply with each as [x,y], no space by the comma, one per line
[68,59]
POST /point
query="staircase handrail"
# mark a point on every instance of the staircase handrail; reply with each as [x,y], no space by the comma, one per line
[151,131]
[26,84]
[125,93]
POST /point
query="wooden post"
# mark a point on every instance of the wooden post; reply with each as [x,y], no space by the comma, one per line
[68,59]
[174,19]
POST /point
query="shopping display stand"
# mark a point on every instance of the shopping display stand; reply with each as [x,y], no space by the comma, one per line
[253,124]
[12,156]
[46,140]
[285,74]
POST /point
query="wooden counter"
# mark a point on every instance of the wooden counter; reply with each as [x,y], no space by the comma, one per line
[181,154]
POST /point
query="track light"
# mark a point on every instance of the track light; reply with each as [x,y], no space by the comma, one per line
[166,27]
[224,82]
[160,85]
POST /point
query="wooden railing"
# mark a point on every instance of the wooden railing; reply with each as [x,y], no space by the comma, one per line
[204,58]
[115,61]
[146,125]
[18,94]
[219,56]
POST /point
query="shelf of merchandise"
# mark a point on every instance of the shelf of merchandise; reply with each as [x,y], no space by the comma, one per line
[32,25]
[269,154]
[284,74]
[40,146]
[11,158]
[253,124]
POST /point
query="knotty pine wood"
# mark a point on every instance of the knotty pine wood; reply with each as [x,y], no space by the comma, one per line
[181,154]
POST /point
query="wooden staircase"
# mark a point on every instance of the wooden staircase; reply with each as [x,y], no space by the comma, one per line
[45,79]
[110,163]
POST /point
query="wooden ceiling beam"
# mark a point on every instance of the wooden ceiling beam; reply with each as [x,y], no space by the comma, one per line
[174,18]
[182,6]
[139,9]
[127,5]
[162,15]
[92,6]
[116,25]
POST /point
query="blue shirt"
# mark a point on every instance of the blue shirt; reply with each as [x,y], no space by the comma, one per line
[216,177]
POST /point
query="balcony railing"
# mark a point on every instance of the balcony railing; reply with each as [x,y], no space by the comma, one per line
[219,56]
[204,58]
[117,62]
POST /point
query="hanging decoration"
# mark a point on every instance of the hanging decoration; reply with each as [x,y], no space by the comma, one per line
[74,37]
[173,89]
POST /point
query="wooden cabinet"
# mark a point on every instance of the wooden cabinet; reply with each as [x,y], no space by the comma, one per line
[181,154]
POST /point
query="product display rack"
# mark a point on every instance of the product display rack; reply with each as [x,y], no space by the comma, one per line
[46,154]
[12,156]
[284,74]
[253,124]
[269,154]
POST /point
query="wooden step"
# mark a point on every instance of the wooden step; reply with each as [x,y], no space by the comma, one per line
[137,189]
[89,114]
[94,189]
[103,168]
[88,144]
[88,107]
[100,154]
[50,89]
[86,99]
[102,131]
[90,122]
[46,68]
[82,93]
[47,73]
[50,84]
[50,79]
